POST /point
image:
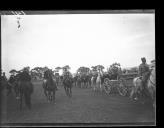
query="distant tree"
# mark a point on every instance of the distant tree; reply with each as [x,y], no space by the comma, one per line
[66,68]
[39,71]
[83,70]
[13,72]
[100,68]
[57,69]
[115,70]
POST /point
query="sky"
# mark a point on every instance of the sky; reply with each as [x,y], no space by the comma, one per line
[76,40]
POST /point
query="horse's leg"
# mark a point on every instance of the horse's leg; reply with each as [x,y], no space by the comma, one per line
[48,95]
[71,91]
[152,95]
[81,85]
[100,87]
[54,95]
[21,100]
[66,90]
[28,99]
[9,89]
[94,86]
[132,92]
[45,93]
[51,96]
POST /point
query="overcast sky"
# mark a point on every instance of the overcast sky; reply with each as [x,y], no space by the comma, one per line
[77,40]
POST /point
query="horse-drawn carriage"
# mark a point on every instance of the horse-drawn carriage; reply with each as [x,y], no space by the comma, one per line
[123,84]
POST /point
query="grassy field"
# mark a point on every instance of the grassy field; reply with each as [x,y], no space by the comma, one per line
[85,106]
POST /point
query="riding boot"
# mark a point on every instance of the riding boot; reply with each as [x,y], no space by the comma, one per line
[143,87]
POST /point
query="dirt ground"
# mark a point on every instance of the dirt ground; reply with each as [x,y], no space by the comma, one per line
[85,106]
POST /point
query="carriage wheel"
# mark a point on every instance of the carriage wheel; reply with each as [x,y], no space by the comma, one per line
[122,88]
[107,85]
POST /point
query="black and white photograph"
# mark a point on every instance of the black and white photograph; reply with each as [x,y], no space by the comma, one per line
[78,68]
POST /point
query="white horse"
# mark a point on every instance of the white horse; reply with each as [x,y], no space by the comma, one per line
[93,83]
[150,86]
[98,82]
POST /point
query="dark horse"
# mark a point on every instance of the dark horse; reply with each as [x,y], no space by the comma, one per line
[85,81]
[49,86]
[68,83]
[25,88]
[5,85]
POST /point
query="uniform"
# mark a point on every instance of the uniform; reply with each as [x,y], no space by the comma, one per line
[144,72]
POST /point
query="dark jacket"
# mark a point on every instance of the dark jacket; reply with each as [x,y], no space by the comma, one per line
[24,76]
[46,74]
[11,79]
[3,78]
[143,69]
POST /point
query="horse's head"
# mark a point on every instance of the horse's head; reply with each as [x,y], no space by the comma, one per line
[153,75]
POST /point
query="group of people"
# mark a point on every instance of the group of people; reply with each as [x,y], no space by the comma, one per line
[143,73]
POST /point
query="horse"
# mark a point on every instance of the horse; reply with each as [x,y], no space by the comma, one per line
[15,86]
[79,82]
[150,89]
[49,86]
[5,85]
[99,82]
[83,81]
[75,80]
[57,79]
[93,82]
[152,86]
[25,88]
[68,83]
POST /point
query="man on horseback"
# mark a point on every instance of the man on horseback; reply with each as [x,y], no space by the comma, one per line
[144,72]
[47,75]
[12,79]
[25,76]
[3,77]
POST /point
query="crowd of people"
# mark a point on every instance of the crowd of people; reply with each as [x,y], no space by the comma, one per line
[24,75]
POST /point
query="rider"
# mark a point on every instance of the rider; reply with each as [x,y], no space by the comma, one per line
[144,71]
[3,77]
[25,76]
[47,75]
[12,79]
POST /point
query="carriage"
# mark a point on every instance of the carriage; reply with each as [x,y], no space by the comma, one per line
[122,84]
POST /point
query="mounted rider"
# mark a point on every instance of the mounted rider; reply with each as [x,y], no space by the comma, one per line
[12,79]
[3,77]
[25,77]
[144,71]
[48,75]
